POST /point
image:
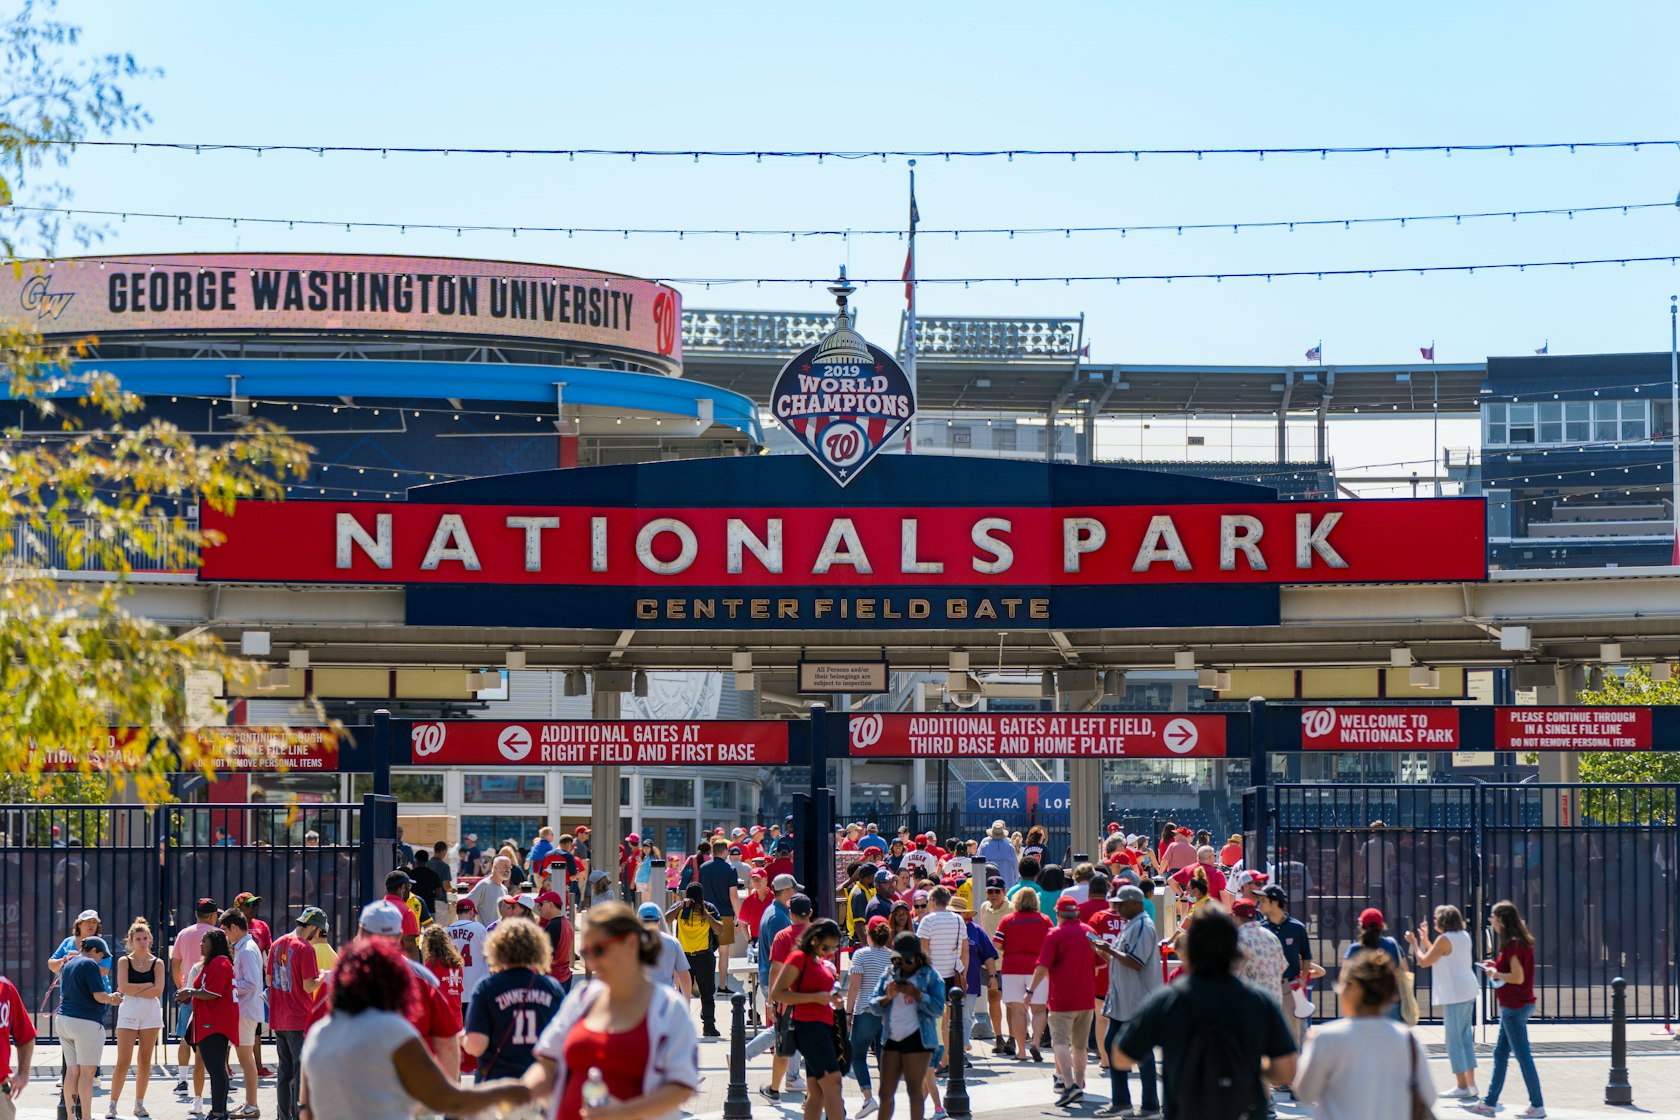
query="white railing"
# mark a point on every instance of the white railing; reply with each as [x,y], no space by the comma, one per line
[32,551]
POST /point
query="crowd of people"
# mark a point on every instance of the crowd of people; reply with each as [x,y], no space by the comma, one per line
[513,977]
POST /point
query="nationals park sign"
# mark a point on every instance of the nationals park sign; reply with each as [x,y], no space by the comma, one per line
[769,542]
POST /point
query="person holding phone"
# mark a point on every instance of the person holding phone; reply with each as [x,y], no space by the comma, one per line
[1513,969]
[807,984]
[1448,956]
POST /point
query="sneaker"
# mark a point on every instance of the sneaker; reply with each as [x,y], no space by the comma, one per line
[1482,1108]
[1057,1083]
[1143,1114]
[1460,1095]
[1114,1108]
[770,1094]
[939,1113]
[246,1111]
[1532,1114]
[794,1084]
[869,1105]
[140,1112]
[711,1032]
[1068,1096]
[181,1086]
[111,1110]
[264,1071]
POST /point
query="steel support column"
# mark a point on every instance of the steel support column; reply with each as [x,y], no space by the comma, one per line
[605,813]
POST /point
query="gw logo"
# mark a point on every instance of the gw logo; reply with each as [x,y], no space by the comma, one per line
[46,304]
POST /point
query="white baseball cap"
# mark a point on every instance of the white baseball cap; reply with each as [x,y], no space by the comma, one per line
[529,901]
[88,916]
[382,919]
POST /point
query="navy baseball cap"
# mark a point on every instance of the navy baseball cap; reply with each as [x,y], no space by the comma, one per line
[801,904]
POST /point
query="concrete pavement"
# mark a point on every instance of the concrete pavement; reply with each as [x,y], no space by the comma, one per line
[1573,1061]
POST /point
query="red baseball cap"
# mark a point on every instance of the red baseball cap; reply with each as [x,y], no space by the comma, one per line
[581,829]
[1114,826]
[1243,908]
[467,904]
[877,920]
[1182,831]
[550,896]
[1371,916]
[757,873]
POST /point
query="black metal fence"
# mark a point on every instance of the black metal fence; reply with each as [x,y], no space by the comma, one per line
[1594,869]
[128,862]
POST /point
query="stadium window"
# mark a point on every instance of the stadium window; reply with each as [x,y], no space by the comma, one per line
[1577,421]
[1493,424]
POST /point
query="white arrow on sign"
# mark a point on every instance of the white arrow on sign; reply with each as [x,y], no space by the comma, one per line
[1180,736]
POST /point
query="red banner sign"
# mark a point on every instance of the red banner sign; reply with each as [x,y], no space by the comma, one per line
[1572,729]
[242,749]
[978,546]
[599,743]
[1037,735]
[271,748]
[1379,729]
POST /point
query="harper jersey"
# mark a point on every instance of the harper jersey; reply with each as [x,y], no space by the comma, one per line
[469,937]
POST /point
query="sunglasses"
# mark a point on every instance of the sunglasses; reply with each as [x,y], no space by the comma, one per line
[596,952]
[921,906]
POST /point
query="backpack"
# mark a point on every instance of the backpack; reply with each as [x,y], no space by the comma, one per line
[1216,1080]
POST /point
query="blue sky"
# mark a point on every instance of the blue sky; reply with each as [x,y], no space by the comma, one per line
[870,75]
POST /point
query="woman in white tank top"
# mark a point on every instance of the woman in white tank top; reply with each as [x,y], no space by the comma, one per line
[1450,957]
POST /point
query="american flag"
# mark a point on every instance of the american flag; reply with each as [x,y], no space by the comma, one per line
[1428,352]
[1316,354]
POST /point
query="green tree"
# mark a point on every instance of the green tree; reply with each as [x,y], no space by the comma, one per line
[99,495]
[51,96]
[1633,688]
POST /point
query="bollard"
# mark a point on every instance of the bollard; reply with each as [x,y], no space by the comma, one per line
[956,1048]
[1618,1090]
[737,1105]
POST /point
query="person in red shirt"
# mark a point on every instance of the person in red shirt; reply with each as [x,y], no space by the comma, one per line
[1069,964]
[753,847]
[1514,967]
[1104,921]
[781,863]
[1177,851]
[260,933]
[806,983]
[800,910]
[756,902]
[215,1017]
[1020,938]
[1215,877]
[16,1026]
[293,976]
[1232,853]
[562,939]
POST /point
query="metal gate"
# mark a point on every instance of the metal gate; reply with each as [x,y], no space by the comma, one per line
[1595,870]
[127,862]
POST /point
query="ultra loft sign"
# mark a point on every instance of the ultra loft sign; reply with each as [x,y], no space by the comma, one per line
[766,542]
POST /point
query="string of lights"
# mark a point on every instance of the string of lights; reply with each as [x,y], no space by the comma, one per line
[955,233]
[1268,275]
[759,155]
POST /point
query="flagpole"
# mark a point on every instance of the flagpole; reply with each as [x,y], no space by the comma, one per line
[1435,406]
[1674,420]
[910,320]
